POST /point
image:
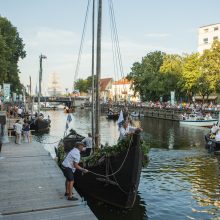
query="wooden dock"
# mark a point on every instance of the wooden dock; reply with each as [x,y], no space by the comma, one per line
[32,186]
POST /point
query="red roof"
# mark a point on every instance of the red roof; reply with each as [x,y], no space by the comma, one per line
[104,83]
[122,81]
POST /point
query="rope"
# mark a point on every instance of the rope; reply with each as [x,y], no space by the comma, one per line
[117,182]
[81,43]
[112,174]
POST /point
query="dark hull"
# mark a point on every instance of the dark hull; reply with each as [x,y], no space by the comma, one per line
[40,125]
[70,140]
[113,116]
[212,144]
[121,188]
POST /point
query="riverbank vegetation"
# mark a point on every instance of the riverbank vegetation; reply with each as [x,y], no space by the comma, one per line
[159,73]
[11,50]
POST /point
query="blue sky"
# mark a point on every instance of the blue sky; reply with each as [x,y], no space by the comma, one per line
[54,28]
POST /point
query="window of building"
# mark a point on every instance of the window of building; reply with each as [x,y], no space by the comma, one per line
[215,38]
[205,40]
[206,30]
[215,28]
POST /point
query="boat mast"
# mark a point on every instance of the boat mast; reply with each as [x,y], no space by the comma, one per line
[93,83]
[40,80]
[98,74]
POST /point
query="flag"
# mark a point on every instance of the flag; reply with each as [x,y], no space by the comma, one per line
[67,125]
[68,120]
[120,119]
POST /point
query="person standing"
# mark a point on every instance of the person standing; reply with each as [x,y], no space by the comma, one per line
[20,110]
[88,143]
[26,130]
[18,130]
[126,130]
[69,166]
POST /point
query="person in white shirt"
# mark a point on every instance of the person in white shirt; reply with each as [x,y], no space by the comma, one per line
[69,166]
[18,131]
[88,142]
[125,130]
[20,112]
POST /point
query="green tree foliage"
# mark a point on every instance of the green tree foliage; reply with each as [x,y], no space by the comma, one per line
[81,85]
[159,73]
[191,74]
[172,68]
[84,85]
[210,66]
[11,50]
[89,82]
[146,76]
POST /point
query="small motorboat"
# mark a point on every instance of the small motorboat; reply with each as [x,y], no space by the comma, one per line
[198,120]
[137,114]
[40,123]
[112,114]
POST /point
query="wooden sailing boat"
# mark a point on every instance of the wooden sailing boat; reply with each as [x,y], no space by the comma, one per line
[114,172]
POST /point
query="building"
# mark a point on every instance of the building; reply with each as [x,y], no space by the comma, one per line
[207,34]
[105,88]
[121,90]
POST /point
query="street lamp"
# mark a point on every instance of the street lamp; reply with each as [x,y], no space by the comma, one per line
[66,91]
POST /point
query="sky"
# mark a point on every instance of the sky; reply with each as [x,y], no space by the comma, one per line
[54,28]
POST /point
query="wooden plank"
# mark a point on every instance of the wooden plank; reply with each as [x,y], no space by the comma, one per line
[31,183]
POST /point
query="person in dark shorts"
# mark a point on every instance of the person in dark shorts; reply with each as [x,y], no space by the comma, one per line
[69,166]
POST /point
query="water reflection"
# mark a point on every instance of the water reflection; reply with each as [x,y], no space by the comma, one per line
[103,211]
[181,180]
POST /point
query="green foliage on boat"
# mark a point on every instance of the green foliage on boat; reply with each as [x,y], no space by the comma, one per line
[106,151]
[60,153]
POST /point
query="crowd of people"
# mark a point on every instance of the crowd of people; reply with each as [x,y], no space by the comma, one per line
[178,105]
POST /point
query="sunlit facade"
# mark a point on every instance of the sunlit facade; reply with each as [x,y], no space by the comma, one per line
[207,34]
[121,90]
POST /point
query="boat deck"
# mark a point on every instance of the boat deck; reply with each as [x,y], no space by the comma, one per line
[32,186]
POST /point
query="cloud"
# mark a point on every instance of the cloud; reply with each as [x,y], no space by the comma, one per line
[50,37]
[61,48]
[157,35]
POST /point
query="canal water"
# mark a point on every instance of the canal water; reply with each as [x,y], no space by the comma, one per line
[181,180]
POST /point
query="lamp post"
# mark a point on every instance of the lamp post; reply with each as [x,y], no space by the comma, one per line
[40,80]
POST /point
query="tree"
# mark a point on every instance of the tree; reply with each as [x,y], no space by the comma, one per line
[191,74]
[3,61]
[172,68]
[11,50]
[146,76]
[89,82]
[84,85]
[210,66]
[81,85]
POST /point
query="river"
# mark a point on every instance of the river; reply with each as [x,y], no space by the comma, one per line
[181,180]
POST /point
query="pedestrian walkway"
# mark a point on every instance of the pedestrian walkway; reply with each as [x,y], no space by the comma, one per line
[32,186]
